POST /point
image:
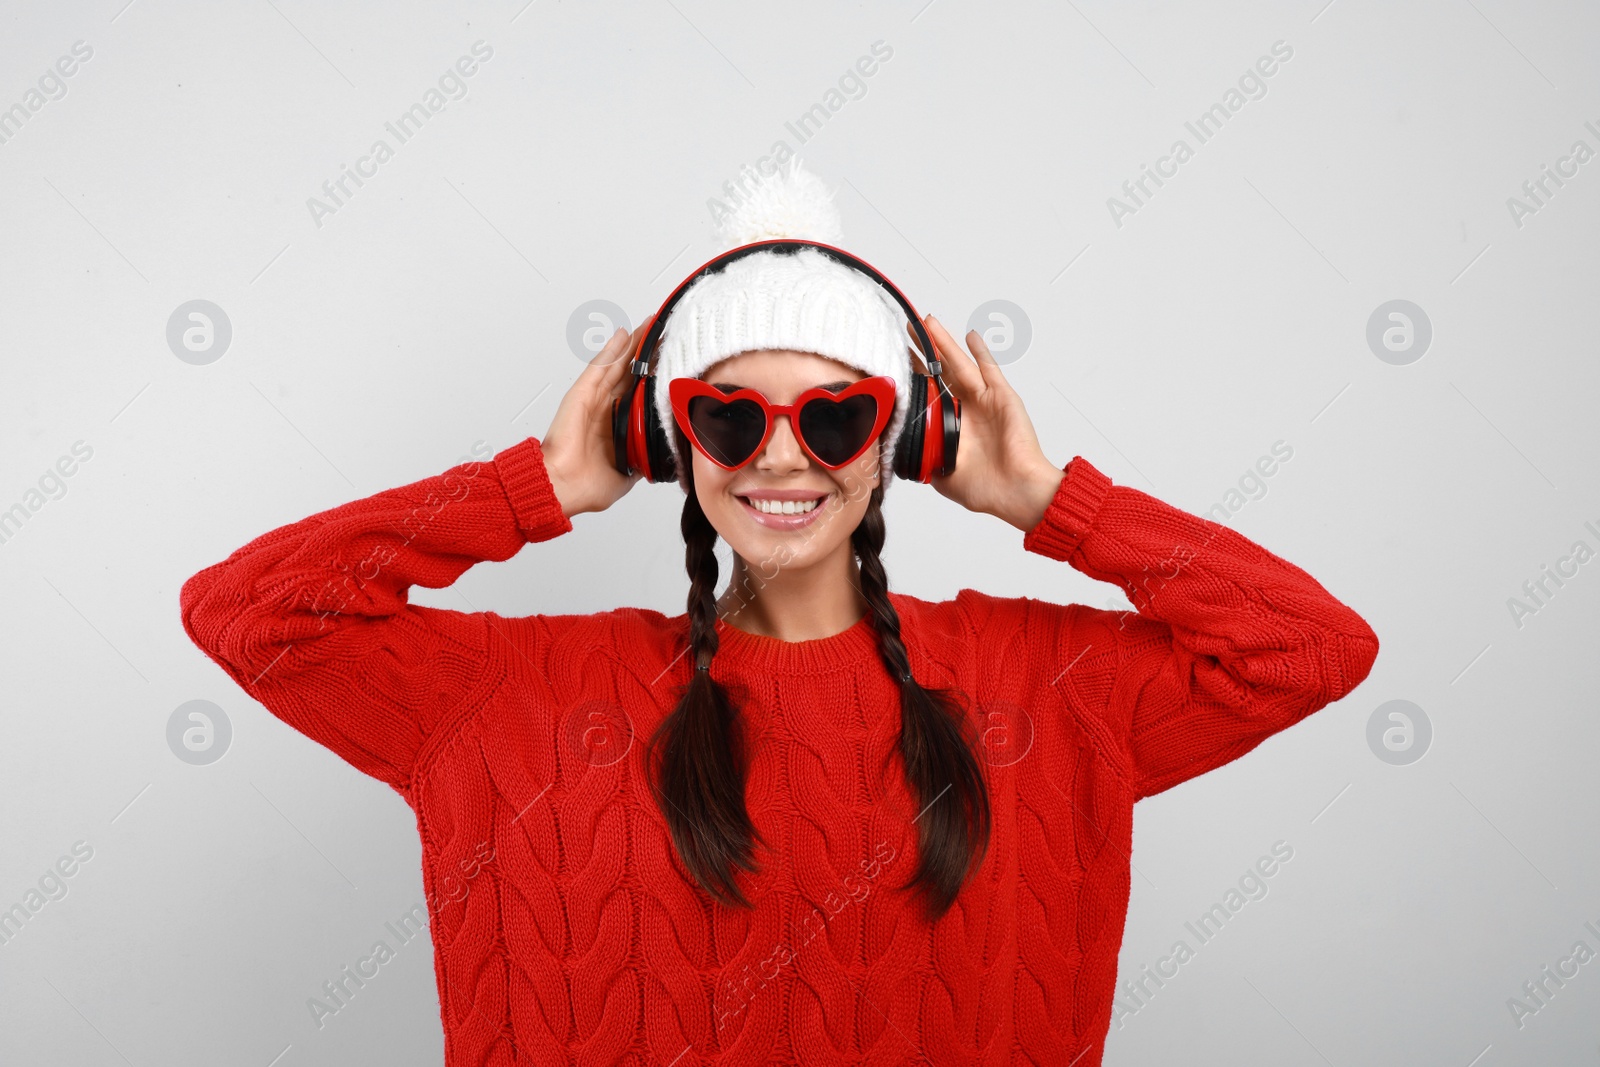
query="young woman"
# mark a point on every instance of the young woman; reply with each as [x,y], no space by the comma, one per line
[809,820]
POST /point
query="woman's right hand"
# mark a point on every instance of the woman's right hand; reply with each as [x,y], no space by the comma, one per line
[577,447]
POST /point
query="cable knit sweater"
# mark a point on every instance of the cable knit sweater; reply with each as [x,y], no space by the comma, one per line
[564,928]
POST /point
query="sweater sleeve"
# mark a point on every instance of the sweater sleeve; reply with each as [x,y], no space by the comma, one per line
[312,618]
[1229,643]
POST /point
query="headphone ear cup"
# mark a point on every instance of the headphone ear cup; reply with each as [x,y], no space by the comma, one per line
[658,450]
[908,450]
[950,423]
[620,409]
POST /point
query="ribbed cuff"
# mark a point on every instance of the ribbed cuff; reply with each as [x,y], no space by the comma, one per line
[1072,511]
[527,485]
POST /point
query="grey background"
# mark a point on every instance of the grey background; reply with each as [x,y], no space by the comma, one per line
[430,313]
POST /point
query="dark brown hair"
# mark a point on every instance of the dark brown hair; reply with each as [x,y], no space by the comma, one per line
[700,788]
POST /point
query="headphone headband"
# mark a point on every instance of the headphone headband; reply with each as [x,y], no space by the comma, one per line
[643,357]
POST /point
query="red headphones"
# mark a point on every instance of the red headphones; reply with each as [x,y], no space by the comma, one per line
[639,441]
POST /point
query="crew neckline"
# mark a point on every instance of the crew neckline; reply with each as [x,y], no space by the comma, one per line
[845,648]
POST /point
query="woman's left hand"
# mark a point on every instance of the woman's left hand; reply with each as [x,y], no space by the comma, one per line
[1000,468]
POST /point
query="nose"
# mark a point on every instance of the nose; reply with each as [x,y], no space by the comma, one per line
[783,452]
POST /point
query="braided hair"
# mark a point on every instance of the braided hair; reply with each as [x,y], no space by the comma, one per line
[700,789]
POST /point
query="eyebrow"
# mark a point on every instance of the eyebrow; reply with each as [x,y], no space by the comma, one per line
[832,387]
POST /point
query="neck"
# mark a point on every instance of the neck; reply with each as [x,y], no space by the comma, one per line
[792,603]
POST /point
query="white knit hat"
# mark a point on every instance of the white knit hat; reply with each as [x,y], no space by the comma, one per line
[805,301]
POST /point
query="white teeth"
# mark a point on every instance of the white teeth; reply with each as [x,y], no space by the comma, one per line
[782,507]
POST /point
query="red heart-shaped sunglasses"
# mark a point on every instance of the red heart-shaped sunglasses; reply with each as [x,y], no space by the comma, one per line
[731,428]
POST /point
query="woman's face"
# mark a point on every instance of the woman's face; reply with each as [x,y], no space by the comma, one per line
[827,505]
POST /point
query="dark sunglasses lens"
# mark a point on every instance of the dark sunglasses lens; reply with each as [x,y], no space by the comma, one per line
[729,432]
[837,429]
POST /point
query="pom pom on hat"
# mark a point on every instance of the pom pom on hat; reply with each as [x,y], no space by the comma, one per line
[793,203]
[804,301]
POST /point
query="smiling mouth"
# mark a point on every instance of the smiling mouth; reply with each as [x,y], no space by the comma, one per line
[783,507]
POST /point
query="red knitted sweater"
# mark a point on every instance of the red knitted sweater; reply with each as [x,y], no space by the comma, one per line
[564,928]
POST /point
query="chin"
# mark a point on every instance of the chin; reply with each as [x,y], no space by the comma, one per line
[766,532]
